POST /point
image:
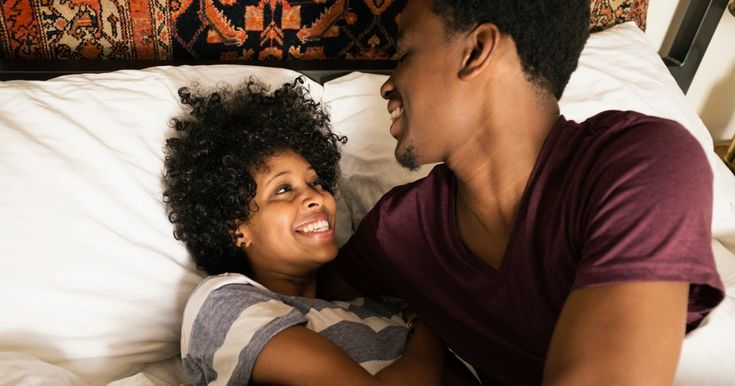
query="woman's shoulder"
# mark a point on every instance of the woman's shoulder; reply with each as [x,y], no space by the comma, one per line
[227,297]
[225,285]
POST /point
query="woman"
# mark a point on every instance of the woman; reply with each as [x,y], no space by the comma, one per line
[249,182]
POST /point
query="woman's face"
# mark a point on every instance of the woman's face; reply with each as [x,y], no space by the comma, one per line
[291,229]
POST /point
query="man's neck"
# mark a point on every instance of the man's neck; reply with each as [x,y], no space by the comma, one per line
[492,172]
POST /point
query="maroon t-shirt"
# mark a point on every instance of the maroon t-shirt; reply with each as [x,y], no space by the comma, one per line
[620,197]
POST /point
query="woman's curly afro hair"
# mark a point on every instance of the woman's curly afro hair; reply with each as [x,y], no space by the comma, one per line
[226,136]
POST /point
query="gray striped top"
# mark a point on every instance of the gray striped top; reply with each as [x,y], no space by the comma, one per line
[229,318]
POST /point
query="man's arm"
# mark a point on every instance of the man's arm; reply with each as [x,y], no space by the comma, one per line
[621,334]
[332,285]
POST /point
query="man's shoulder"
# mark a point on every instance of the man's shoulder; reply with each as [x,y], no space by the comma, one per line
[401,204]
[430,187]
[617,122]
[612,134]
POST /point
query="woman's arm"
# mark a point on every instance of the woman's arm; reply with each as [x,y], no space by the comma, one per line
[623,334]
[299,356]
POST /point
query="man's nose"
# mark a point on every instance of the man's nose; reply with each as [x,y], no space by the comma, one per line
[387,89]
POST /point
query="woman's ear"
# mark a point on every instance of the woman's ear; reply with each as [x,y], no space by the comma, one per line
[242,240]
[482,43]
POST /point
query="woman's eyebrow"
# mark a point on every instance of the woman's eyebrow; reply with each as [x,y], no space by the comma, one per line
[285,172]
[276,176]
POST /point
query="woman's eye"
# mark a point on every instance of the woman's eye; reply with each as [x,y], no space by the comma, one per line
[316,183]
[283,189]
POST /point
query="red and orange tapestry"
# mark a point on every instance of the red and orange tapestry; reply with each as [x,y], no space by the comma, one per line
[222,29]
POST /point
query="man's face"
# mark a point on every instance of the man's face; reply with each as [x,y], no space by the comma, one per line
[422,101]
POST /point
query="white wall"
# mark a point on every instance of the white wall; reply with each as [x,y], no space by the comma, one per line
[712,93]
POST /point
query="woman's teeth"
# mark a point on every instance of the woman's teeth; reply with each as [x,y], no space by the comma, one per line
[319,226]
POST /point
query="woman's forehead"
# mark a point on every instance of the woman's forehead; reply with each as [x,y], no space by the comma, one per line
[284,162]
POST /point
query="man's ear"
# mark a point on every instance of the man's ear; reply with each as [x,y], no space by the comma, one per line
[481,45]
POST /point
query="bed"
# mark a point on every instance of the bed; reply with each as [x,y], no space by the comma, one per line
[92,282]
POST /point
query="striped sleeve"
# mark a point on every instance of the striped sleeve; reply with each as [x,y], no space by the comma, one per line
[226,325]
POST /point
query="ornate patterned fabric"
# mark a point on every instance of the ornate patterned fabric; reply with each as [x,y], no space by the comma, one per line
[606,13]
[222,29]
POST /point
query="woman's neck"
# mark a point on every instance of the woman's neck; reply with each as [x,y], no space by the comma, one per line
[284,284]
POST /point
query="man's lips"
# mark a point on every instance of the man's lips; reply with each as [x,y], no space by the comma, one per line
[395,113]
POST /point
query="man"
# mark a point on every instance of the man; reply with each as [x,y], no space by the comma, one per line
[541,250]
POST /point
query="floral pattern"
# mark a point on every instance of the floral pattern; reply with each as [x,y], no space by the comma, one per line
[223,29]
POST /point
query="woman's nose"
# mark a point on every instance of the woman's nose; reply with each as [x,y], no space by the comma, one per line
[313,199]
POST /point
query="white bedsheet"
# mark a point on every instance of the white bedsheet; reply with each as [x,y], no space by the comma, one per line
[164,373]
[19,369]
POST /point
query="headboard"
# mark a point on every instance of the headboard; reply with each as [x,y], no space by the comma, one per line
[249,30]
[322,38]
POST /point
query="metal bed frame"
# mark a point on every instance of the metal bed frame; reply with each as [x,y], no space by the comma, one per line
[692,38]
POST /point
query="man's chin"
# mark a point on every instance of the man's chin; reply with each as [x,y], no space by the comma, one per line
[407,158]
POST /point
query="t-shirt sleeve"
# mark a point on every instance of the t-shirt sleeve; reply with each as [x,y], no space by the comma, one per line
[231,327]
[647,214]
[360,260]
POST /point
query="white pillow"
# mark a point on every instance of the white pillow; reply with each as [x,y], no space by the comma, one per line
[91,278]
[18,369]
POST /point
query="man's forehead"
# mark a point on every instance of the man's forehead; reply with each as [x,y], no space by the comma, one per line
[414,20]
[409,18]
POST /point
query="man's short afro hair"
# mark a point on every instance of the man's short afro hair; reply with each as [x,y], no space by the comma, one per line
[210,160]
[549,34]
